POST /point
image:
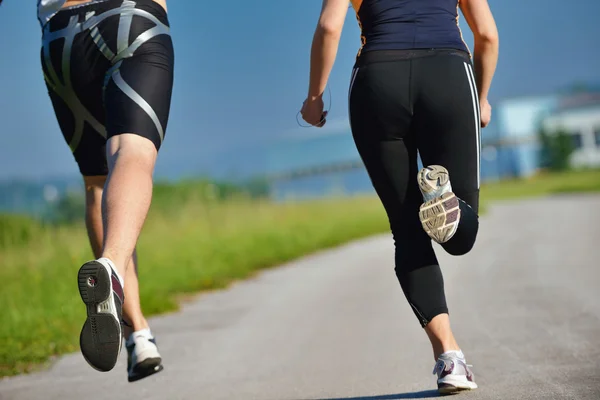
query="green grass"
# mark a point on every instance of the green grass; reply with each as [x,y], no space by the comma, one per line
[543,184]
[189,244]
[188,249]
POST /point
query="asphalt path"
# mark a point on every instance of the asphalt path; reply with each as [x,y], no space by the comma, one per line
[525,307]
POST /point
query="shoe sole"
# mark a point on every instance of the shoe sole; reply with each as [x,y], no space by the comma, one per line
[440,217]
[446,388]
[432,173]
[100,339]
[146,368]
[455,384]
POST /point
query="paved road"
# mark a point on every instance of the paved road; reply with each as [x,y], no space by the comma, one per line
[335,325]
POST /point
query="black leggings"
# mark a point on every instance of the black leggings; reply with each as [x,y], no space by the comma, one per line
[418,101]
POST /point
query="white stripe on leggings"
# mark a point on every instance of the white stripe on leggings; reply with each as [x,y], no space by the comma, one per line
[475,99]
[354,73]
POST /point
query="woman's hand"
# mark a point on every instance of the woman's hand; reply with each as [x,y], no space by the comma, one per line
[485,113]
[312,111]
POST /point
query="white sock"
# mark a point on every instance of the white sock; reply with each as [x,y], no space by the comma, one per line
[145,333]
[106,261]
[455,353]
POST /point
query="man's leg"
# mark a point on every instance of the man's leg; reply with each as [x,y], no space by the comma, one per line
[125,203]
[113,114]
[127,196]
[132,310]
[136,95]
[135,322]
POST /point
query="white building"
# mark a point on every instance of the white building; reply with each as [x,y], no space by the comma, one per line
[581,119]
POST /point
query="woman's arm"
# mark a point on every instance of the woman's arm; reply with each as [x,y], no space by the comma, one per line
[325,44]
[322,57]
[485,56]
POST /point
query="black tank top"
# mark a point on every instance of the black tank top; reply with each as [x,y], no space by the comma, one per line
[409,24]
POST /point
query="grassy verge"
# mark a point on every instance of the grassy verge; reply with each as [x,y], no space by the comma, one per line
[187,248]
[543,184]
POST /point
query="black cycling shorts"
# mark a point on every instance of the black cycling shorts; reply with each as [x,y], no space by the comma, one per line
[108,67]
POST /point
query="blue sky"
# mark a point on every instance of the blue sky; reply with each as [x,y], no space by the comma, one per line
[241,76]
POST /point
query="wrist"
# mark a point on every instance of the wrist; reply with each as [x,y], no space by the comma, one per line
[314,97]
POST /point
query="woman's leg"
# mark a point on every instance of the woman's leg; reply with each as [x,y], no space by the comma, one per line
[447,127]
[381,121]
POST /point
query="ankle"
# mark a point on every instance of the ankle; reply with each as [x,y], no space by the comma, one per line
[119,264]
[109,261]
[450,350]
[142,333]
[443,347]
[140,324]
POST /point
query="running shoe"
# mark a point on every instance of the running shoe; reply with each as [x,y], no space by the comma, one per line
[440,212]
[453,374]
[143,358]
[102,292]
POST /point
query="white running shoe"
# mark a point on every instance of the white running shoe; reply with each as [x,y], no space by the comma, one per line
[143,358]
[453,373]
[440,212]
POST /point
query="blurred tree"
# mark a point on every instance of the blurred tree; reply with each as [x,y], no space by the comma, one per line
[557,148]
[580,87]
[258,188]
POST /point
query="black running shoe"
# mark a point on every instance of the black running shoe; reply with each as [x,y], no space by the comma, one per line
[102,293]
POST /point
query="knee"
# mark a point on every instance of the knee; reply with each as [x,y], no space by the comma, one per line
[463,241]
[468,228]
[94,186]
[131,148]
[459,250]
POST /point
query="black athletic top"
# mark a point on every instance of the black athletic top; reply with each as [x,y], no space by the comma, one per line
[409,24]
